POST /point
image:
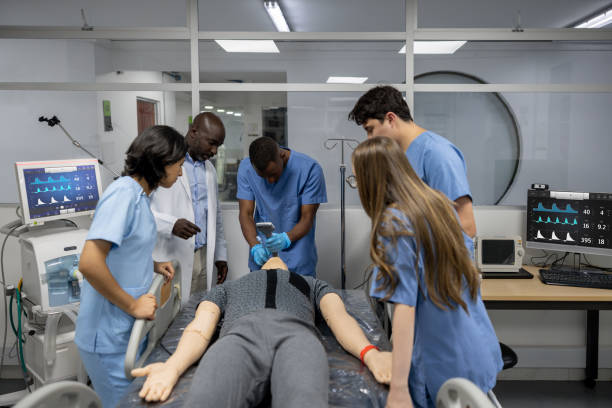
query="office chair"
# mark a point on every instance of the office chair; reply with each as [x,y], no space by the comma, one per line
[385,314]
[508,355]
[462,393]
[65,394]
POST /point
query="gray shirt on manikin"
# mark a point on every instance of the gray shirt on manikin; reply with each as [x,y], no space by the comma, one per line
[268,289]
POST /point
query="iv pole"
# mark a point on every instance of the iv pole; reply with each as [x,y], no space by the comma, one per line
[55,121]
[352,143]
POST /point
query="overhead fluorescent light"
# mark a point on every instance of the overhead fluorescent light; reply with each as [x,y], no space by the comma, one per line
[237,114]
[598,21]
[230,112]
[248,45]
[346,80]
[276,14]
[220,110]
[209,107]
[434,47]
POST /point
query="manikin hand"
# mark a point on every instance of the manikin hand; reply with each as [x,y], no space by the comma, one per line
[379,363]
[160,381]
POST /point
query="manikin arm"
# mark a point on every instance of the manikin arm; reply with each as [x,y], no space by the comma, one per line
[352,339]
[161,377]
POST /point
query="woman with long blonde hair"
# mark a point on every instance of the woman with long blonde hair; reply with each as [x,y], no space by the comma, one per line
[421,263]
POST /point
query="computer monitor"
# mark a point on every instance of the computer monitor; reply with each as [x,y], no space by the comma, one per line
[56,189]
[569,221]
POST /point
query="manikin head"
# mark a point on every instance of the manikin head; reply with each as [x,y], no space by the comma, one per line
[275,263]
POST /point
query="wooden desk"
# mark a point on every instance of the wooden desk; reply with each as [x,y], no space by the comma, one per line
[532,294]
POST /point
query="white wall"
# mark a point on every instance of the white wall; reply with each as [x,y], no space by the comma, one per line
[124,113]
[23,137]
[183,112]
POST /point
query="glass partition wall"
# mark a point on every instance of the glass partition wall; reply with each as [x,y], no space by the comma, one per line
[525,98]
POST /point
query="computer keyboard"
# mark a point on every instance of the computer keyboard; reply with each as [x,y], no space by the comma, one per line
[589,279]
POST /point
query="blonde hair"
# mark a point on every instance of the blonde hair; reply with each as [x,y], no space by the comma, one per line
[386,181]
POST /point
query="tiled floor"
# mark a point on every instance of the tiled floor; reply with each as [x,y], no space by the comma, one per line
[553,394]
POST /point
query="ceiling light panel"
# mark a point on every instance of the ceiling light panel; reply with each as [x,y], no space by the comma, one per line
[434,47]
[346,80]
[261,46]
[599,21]
[276,15]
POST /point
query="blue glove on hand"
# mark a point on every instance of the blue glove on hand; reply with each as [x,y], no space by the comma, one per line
[260,254]
[277,242]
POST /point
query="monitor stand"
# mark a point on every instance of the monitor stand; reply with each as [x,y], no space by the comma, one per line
[574,266]
[520,274]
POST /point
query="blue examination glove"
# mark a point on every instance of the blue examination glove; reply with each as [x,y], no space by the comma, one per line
[260,254]
[277,242]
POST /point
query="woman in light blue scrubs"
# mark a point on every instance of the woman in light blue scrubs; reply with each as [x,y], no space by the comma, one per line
[117,259]
[421,262]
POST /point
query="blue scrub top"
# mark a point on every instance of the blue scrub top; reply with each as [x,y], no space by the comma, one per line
[124,218]
[440,164]
[301,183]
[447,343]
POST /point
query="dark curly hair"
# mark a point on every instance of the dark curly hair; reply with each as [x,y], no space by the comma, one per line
[263,151]
[153,150]
[375,103]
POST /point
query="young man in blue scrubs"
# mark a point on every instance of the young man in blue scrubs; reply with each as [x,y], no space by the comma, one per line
[284,187]
[382,111]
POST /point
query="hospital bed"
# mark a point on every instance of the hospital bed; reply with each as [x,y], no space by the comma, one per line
[350,384]
[169,304]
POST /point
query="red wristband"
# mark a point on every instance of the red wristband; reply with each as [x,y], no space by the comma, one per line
[365,350]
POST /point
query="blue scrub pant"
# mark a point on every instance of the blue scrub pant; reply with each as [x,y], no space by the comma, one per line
[106,371]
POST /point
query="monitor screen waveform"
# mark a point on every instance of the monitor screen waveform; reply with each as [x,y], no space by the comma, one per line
[55,191]
[575,222]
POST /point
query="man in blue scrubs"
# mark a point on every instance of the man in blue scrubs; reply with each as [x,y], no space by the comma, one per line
[382,111]
[284,187]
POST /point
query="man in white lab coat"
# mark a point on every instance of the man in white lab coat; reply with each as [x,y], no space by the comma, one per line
[188,215]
